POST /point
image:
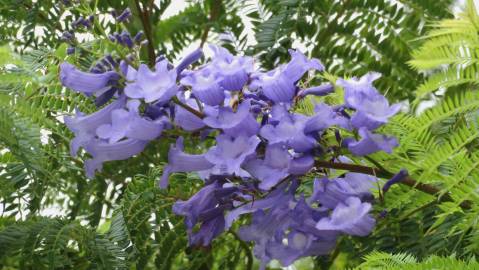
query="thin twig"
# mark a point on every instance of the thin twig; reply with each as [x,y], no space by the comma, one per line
[145,21]
[188,108]
[214,12]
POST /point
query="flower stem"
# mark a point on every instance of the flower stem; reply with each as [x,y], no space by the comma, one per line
[188,108]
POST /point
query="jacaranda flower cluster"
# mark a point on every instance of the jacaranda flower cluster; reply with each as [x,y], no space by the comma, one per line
[263,147]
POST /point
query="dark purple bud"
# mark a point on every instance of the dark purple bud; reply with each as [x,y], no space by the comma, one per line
[114,13]
[189,59]
[321,90]
[395,179]
[105,63]
[153,111]
[366,197]
[99,66]
[66,2]
[67,36]
[124,15]
[112,61]
[91,18]
[118,37]
[95,70]
[77,22]
[70,50]
[105,97]
[126,38]
[111,38]
[383,213]
[138,37]
[86,23]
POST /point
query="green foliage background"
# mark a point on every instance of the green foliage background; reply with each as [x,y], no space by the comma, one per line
[121,220]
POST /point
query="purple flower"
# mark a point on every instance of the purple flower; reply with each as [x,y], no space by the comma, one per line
[230,153]
[232,71]
[332,192]
[272,169]
[287,230]
[203,200]
[324,118]
[85,82]
[84,126]
[372,108]
[179,161]
[102,151]
[279,85]
[276,196]
[129,124]
[371,143]
[351,217]
[232,123]
[300,64]
[205,86]
[298,245]
[205,206]
[208,231]
[289,131]
[159,85]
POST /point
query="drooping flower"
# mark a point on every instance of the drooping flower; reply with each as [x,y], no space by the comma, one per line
[324,118]
[371,143]
[272,169]
[205,86]
[279,85]
[230,153]
[276,196]
[232,123]
[128,123]
[232,71]
[102,151]
[351,217]
[205,207]
[159,85]
[372,108]
[332,192]
[179,161]
[289,131]
[287,231]
[85,82]
[84,126]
